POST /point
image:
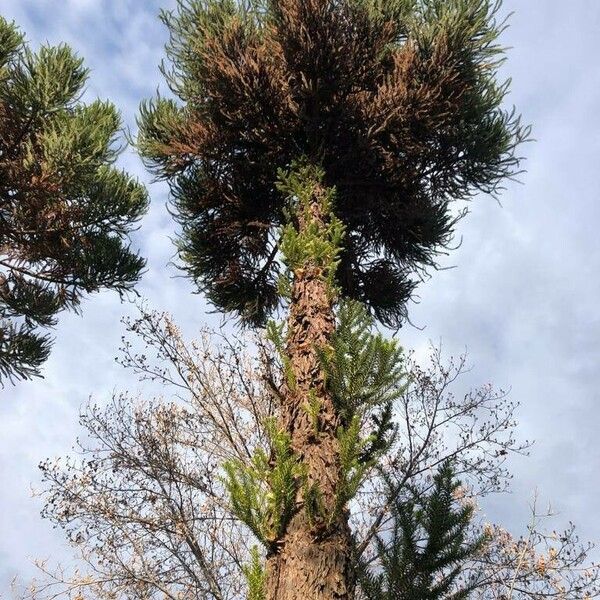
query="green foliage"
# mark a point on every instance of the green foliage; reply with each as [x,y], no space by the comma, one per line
[159,118]
[471,31]
[359,454]
[364,374]
[314,506]
[67,211]
[382,434]
[430,539]
[11,42]
[262,493]
[256,577]
[398,12]
[353,467]
[275,334]
[43,82]
[319,241]
[22,351]
[363,369]
[313,408]
[191,25]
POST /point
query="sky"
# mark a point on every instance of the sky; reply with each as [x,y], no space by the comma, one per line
[522,295]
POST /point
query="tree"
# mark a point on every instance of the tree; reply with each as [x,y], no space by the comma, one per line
[396,101]
[65,209]
[328,137]
[428,546]
[144,498]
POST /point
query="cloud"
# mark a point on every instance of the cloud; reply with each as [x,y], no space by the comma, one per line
[525,291]
[523,297]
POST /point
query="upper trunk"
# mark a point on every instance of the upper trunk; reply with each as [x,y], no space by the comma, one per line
[312,560]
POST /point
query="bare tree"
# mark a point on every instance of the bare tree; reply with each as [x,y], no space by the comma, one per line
[144,500]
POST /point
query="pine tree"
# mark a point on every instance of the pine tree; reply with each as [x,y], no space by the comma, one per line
[428,544]
[65,209]
[313,152]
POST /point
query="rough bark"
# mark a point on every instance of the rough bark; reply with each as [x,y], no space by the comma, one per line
[312,560]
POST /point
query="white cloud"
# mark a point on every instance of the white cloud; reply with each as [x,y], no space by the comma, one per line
[523,297]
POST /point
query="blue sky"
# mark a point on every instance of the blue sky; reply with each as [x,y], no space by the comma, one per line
[523,296]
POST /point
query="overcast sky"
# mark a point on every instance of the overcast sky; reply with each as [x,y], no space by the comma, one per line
[523,297]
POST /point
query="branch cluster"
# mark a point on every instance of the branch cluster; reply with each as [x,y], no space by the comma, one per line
[65,210]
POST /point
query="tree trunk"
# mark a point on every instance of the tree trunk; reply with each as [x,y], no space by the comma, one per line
[312,560]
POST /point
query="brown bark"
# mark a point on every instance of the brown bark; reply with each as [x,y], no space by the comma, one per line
[312,560]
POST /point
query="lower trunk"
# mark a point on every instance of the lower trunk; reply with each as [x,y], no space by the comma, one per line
[312,559]
[308,567]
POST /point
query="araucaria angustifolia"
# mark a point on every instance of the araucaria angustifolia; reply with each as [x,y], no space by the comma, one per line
[66,210]
[313,150]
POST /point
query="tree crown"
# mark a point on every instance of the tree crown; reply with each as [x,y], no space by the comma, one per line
[65,209]
[398,102]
